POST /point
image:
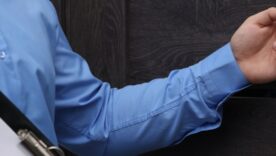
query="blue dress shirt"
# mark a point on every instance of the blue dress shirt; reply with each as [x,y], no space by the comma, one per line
[55,89]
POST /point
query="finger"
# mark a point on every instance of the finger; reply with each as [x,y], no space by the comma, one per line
[266,17]
[274,46]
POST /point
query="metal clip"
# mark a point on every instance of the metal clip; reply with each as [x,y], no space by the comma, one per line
[37,146]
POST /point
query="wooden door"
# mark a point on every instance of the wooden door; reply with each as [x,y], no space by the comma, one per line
[134,41]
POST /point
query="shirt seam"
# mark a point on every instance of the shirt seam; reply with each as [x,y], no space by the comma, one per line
[154,113]
[79,131]
[141,119]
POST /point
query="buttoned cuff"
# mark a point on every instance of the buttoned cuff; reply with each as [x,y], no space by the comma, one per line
[220,74]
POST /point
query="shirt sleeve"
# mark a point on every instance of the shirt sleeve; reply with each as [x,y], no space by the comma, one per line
[93,118]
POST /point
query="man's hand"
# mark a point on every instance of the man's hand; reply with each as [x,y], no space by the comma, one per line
[254,47]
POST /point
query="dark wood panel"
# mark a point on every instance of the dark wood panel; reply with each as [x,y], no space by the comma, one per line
[136,41]
[165,35]
[114,41]
[160,35]
[248,129]
[96,30]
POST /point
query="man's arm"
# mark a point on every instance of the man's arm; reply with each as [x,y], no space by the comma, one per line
[92,117]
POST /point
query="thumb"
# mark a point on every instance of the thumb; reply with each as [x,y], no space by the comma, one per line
[264,18]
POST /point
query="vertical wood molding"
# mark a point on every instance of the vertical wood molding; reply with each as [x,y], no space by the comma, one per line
[114,40]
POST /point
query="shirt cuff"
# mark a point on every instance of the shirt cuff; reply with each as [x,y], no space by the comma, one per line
[221,74]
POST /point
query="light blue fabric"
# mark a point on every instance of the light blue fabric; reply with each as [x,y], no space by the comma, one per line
[54,87]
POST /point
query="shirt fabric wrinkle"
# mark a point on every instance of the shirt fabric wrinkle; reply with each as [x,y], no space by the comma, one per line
[54,87]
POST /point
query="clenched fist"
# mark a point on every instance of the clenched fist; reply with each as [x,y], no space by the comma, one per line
[254,47]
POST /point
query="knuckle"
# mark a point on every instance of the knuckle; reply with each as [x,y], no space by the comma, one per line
[250,18]
[271,9]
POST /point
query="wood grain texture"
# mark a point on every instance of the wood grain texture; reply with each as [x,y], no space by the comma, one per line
[96,30]
[114,41]
[248,129]
[129,42]
[136,41]
[166,35]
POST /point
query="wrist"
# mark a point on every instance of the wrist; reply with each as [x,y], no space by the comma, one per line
[238,56]
[221,73]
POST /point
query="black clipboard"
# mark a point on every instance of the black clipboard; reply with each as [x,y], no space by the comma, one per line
[17,121]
